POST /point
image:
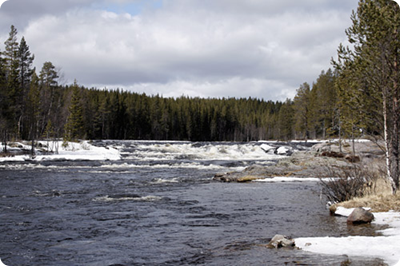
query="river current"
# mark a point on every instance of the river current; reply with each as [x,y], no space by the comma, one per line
[158,205]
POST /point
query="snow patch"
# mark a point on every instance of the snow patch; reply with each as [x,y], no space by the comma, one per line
[385,247]
[282,179]
[73,151]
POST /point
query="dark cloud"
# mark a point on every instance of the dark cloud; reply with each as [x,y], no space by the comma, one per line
[20,12]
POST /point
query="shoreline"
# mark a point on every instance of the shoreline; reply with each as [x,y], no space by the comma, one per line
[312,163]
[384,247]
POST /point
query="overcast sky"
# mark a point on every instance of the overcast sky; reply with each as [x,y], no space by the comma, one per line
[206,48]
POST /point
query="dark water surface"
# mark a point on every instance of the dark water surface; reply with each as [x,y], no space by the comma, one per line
[167,213]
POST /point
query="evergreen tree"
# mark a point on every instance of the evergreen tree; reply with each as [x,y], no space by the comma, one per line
[25,72]
[326,103]
[25,64]
[33,108]
[74,126]
[14,91]
[5,107]
[11,48]
[48,84]
[301,108]
[286,121]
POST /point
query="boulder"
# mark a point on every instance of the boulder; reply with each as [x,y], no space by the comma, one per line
[352,158]
[267,148]
[227,177]
[279,241]
[360,216]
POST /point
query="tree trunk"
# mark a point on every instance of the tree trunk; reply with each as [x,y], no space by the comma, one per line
[394,126]
[340,134]
[5,142]
[33,148]
[395,130]
[389,158]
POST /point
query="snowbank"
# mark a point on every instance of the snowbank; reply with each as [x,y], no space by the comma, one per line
[282,179]
[385,247]
[73,151]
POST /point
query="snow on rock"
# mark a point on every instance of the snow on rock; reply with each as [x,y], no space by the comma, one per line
[385,247]
[284,150]
[267,148]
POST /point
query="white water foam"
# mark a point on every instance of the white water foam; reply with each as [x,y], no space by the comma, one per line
[161,165]
[127,198]
[170,151]
[162,181]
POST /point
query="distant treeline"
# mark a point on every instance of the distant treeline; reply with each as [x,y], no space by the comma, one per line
[35,106]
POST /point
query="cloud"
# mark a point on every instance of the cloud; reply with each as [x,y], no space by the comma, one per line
[233,87]
[207,48]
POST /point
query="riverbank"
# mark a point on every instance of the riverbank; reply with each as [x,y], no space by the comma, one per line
[311,163]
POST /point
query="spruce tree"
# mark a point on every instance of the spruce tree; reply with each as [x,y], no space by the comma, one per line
[11,48]
[302,110]
[48,83]
[25,72]
[33,108]
[5,108]
[74,128]
[25,64]
[13,86]
[285,124]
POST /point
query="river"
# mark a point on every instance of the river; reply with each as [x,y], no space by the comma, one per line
[158,205]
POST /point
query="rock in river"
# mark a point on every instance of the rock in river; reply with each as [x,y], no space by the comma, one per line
[279,241]
[360,216]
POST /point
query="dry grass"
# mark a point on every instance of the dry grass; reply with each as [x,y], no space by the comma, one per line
[379,198]
[247,178]
[377,194]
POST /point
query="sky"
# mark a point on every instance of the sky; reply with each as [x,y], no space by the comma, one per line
[199,48]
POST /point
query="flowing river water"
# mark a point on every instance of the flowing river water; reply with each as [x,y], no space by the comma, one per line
[158,205]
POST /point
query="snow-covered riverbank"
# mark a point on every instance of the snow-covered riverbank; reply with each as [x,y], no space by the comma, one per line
[73,151]
[385,247]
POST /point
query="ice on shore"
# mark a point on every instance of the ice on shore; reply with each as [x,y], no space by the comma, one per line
[385,247]
[73,151]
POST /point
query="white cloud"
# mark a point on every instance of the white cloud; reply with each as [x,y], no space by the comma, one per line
[208,48]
